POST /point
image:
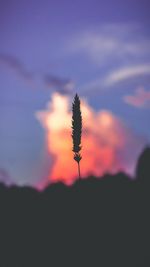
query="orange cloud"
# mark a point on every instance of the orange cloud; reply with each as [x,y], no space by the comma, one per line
[104,141]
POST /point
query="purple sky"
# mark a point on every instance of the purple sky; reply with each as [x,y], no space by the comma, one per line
[98,48]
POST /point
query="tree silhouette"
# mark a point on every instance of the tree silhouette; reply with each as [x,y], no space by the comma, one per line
[76,130]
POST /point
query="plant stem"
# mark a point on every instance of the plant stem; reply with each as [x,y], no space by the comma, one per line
[79,170]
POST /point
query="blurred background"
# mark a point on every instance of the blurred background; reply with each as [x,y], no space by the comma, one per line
[49,50]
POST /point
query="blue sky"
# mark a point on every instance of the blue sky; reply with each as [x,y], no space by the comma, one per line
[98,48]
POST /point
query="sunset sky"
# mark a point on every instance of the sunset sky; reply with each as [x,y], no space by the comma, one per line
[49,50]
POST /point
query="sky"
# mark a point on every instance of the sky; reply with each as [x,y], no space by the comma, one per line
[49,50]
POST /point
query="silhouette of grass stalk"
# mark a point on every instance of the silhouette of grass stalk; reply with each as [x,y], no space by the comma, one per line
[76,131]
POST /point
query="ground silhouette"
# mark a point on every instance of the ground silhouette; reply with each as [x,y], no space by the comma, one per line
[95,222]
[143,167]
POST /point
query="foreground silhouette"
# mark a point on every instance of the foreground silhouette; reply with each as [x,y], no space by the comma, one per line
[93,223]
[76,131]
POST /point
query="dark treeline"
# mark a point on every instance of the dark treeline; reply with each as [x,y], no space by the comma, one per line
[95,222]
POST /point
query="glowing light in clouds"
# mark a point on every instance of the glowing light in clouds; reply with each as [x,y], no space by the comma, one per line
[107,143]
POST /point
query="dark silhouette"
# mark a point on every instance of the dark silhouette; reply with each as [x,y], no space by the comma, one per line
[143,166]
[76,130]
[96,222]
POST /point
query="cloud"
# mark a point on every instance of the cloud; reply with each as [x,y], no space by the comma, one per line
[5,178]
[15,65]
[116,77]
[141,98]
[111,42]
[117,52]
[126,73]
[63,86]
[108,145]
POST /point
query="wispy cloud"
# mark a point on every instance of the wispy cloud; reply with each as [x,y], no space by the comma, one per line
[15,65]
[141,98]
[117,52]
[111,42]
[63,86]
[125,73]
[118,76]
[53,82]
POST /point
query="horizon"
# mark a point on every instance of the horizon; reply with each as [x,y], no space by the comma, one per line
[141,174]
